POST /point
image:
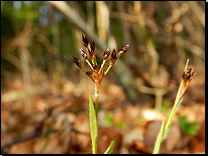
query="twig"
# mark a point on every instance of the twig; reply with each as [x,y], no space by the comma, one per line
[25,138]
[31,136]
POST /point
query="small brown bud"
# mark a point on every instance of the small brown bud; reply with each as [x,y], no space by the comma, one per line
[89,73]
[92,47]
[188,74]
[106,53]
[76,61]
[123,50]
[113,57]
[95,67]
[84,39]
[84,54]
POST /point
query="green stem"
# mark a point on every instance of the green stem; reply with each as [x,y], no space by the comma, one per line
[94,144]
[177,103]
[108,69]
[96,98]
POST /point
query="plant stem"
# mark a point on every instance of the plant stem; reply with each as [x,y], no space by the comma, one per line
[96,98]
[108,69]
[177,103]
[96,115]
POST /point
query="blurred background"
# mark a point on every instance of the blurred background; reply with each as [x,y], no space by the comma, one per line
[44,96]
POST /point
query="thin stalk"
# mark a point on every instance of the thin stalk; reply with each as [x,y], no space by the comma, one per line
[108,69]
[177,103]
[90,65]
[186,78]
[101,67]
[94,61]
[96,98]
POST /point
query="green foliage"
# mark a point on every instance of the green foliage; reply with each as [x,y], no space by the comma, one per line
[110,148]
[188,127]
[108,121]
[122,125]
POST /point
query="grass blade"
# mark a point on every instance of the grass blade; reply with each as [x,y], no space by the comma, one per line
[110,148]
[158,140]
[189,73]
[93,125]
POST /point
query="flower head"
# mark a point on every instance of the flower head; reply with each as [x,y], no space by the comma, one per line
[84,39]
[84,54]
[97,74]
[188,75]
[113,57]
[123,50]
[76,61]
[106,53]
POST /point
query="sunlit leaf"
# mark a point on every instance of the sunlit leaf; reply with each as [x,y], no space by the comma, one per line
[110,148]
[93,125]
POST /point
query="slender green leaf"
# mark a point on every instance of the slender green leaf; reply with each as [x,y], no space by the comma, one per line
[93,125]
[167,126]
[159,140]
[110,148]
[177,103]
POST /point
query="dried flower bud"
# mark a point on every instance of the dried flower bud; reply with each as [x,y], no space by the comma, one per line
[113,57]
[123,50]
[187,77]
[106,54]
[84,39]
[95,67]
[76,61]
[89,73]
[188,74]
[92,47]
[84,54]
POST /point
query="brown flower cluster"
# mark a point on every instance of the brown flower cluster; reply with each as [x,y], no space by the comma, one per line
[96,73]
[187,77]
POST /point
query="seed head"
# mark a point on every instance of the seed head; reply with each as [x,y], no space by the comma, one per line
[123,50]
[113,57]
[89,73]
[95,67]
[84,39]
[97,74]
[106,54]
[92,47]
[188,75]
[76,61]
[84,54]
